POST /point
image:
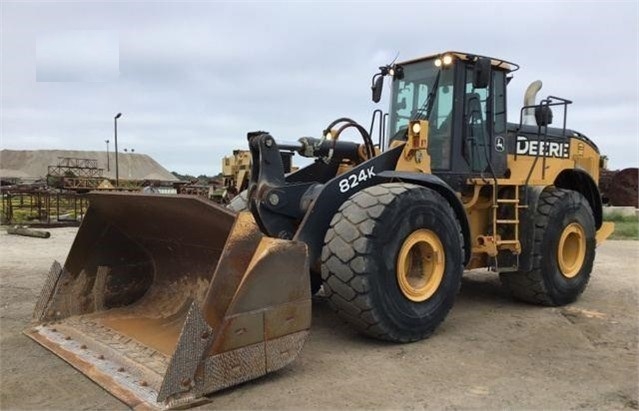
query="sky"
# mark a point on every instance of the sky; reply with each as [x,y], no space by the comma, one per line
[192,78]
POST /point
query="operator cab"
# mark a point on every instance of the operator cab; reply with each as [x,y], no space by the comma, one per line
[463,97]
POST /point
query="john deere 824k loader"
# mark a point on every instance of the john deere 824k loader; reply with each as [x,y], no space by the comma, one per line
[164,299]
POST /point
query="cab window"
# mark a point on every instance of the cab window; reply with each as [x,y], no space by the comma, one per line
[482,122]
[410,102]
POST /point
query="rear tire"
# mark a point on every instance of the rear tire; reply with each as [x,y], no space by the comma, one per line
[382,231]
[563,251]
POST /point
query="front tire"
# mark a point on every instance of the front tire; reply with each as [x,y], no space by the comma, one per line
[563,251]
[392,261]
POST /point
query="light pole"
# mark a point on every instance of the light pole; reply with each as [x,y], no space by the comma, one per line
[107,141]
[115,132]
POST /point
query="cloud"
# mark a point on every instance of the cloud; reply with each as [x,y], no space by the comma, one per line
[194,77]
[78,55]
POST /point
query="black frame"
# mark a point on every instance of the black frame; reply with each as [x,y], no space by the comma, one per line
[308,199]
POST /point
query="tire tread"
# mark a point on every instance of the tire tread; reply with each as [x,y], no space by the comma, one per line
[529,286]
[345,279]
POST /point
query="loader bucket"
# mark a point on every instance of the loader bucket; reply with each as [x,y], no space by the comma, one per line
[164,299]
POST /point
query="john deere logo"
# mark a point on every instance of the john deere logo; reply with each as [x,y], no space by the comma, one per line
[499,144]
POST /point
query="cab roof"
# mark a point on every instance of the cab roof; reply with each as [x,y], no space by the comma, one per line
[495,62]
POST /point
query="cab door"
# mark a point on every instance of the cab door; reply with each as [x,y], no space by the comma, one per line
[484,125]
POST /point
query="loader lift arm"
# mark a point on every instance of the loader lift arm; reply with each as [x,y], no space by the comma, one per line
[285,207]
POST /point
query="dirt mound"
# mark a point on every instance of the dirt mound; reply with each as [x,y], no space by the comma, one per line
[32,164]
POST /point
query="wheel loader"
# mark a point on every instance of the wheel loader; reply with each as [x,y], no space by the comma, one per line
[165,299]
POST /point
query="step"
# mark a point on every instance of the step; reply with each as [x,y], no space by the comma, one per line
[507,242]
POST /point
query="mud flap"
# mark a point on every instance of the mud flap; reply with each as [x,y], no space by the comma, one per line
[164,299]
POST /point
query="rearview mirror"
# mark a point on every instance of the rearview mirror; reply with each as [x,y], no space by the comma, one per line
[543,115]
[482,72]
[378,85]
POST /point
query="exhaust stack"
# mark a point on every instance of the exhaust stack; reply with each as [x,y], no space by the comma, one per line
[529,99]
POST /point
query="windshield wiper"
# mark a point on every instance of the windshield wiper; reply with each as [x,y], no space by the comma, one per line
[424,111]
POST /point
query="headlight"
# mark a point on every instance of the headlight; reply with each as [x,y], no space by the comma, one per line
[416,128]
[447,59]
[438,62]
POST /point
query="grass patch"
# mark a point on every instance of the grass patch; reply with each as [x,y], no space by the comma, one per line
[619,217]
[626,227]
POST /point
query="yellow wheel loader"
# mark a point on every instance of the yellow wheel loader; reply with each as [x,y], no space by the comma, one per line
[165,299]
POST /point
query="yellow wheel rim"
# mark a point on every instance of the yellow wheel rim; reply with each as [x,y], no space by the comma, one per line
[420,265]
[571,251]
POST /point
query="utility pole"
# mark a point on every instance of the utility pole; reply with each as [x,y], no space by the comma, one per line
[115,132]
[107,141]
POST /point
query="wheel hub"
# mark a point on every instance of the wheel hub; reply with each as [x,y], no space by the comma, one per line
[420,265]
[571,251]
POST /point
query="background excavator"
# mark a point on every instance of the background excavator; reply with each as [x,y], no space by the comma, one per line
[165,299]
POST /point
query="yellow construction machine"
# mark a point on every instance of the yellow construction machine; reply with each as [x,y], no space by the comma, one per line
[165,299]
[236,169]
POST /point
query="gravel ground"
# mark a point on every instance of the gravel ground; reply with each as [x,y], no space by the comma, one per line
[491,352]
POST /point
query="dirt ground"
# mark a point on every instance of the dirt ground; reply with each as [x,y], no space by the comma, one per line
[491,352]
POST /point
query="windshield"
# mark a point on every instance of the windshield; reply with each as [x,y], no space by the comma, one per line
[410,99]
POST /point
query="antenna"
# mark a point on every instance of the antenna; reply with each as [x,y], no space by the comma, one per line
[395,59]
